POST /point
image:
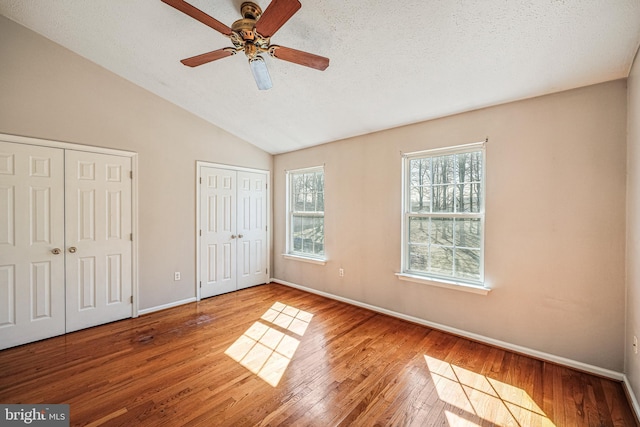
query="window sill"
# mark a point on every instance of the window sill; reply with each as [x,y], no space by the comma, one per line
[319,261]
[464,287]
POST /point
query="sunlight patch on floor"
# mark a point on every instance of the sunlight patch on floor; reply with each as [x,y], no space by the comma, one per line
[478,399]
[266,351]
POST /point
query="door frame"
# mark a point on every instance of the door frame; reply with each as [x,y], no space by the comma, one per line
[199,165]
[134,192]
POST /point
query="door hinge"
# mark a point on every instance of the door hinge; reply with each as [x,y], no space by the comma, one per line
[266,228]
[267,271]
[131,174]
[131,237]
[200,283]
[131,299]
[201,232]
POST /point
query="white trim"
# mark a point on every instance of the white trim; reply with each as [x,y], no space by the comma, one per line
[633,401]
[306,170]
[135,291]
[319,261]
[134,195]
[458,286]
[199,165]
[64,145]
[165,306]
[618,376]
[447,150]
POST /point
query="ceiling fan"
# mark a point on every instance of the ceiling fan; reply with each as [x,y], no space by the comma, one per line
[252,35]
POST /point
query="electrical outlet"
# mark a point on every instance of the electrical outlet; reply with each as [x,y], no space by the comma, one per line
[635,344]
[341,272]
[176,275]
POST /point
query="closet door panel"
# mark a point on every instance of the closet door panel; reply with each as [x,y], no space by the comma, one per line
[98,242]
[32,305]
[218,238]
[252,229]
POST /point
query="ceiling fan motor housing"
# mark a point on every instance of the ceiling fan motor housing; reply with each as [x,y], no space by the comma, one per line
[244,36]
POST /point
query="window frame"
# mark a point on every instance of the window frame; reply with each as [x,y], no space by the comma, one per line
[290,253]
[452,282]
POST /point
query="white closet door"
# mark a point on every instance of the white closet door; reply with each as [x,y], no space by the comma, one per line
[98,239]
[31,243]
[252,229]
[218,229]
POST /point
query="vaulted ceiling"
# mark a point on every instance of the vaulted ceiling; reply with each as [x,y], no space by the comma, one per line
[392,62]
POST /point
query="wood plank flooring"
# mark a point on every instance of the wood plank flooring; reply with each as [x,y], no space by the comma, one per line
[272,355]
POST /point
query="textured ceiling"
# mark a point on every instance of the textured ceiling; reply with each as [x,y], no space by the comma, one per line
[392,62]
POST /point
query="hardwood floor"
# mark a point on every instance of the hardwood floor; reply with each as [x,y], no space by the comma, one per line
[272,355]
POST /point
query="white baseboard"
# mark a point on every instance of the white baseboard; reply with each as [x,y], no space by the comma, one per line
[165,306]
[632,397]
[618,376]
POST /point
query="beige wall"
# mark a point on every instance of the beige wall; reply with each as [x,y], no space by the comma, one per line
[632,361]
[49,92]
[555,223]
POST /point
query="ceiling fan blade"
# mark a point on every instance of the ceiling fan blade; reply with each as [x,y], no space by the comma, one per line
[194,61]
[277,13]
[299,57]
[199,15]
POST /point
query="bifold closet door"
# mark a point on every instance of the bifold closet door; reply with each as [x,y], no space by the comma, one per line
[233,230]
[252,229]
[218,231]
[98,239]
[32,288]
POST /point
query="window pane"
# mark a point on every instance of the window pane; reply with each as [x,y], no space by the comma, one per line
[463,163]
[420,172]
[468,198]
[418,258]
[318,236]
[443,198]
[309,182]
[468,263]
[298,195]
[420,199]
[297,233]
[309,202]
[319,192]
[307,233]
[441,261]
[320,202]
[419,230]
[468,232]
[443,170]
[442,231]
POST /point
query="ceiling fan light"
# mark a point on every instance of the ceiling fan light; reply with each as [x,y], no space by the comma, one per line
[260,73]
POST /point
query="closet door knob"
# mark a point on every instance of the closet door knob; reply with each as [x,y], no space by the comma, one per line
[233,236]
[55,251]
[73,249]
[240,236]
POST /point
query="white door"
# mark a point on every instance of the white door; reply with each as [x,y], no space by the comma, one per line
[252,229]
[218,225]
[98,239]
[32,305]
[233,241]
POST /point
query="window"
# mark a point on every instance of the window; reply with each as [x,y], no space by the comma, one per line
[305,205]
[443,222]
